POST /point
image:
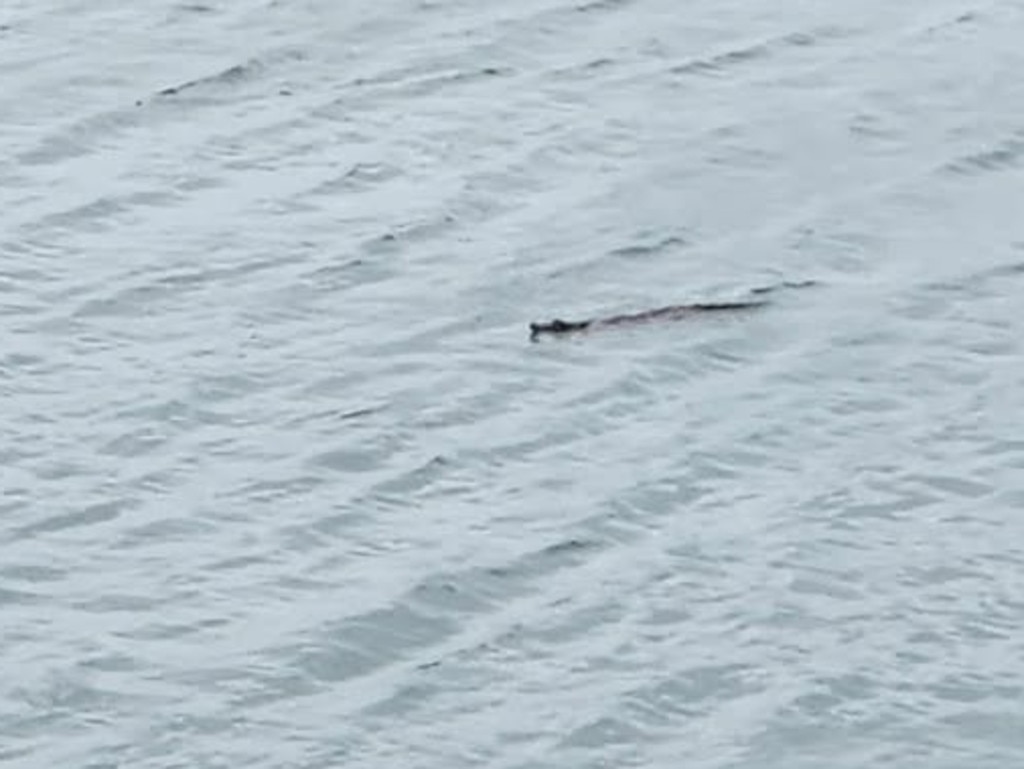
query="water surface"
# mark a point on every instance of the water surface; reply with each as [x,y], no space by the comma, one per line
[286,485]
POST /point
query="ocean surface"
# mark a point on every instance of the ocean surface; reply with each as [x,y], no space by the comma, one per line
[285,483]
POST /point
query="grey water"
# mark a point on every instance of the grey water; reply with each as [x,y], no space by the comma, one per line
[285,483]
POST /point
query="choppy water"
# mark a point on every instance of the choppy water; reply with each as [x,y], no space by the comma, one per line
[286,485]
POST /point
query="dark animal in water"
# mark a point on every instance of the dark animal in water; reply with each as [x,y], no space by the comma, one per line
[672,312]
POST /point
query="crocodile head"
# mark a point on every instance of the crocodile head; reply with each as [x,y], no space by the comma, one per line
[557,326]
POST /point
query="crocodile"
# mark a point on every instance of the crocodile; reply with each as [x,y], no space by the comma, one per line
[559,327]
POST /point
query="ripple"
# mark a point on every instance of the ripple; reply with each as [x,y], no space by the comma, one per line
[725,62]
[1002,156]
